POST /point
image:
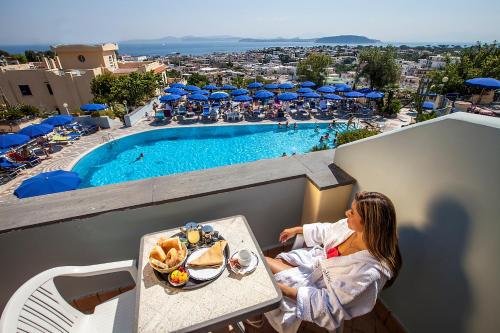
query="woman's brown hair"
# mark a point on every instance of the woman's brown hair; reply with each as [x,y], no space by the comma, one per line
[378,217]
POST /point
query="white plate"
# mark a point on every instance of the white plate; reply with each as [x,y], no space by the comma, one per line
[248,269]
[203,274]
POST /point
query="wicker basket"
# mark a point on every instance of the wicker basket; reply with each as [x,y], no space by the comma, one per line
[170,269]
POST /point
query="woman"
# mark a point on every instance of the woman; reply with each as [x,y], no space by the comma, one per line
[343,269]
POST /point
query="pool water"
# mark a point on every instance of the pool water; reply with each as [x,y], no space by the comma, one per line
[183,149]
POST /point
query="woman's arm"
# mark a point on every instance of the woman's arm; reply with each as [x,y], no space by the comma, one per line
[290,233]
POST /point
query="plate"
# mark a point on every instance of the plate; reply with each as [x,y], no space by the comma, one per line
[203,274]
[248,269]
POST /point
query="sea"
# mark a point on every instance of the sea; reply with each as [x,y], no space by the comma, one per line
[205,47]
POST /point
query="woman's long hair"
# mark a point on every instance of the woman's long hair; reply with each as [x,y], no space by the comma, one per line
[378,217]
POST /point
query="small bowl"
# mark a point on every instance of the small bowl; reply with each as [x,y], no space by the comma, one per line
[177,284]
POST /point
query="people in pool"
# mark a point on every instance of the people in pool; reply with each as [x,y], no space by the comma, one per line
[287,124]
[284,155]
[279,125]
[140,157]
[295,126]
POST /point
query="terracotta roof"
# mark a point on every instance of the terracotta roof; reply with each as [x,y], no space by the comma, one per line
[160,68]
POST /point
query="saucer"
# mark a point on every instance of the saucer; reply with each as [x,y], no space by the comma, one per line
[246,269]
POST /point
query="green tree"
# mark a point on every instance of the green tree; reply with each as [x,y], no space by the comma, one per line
[19,57]
[29,110]
[392,105]
[379,66]
[313,68]
[102,88]
[476,61]
[238,81]
[197,79]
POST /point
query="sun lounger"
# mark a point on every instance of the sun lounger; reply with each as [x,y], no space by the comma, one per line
[31,161]
[8,165]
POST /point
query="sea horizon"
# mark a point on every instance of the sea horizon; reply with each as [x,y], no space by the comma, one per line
[197,48]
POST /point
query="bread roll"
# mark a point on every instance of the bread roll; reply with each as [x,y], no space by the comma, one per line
[172,256]
[158,253]
[171,243]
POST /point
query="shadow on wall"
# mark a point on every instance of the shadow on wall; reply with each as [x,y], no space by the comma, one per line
[432,293]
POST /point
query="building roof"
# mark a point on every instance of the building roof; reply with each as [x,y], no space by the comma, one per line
[82,47]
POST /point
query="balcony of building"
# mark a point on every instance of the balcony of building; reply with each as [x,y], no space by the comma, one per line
[442,175]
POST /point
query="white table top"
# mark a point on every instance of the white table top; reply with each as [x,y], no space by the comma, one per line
[228,299]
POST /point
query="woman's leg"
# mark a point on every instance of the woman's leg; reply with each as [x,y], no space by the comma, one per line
[277,265]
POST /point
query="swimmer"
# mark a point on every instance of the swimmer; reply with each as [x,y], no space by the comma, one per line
[327,136]
[140,157]
[294,153]
[316,129]
[284,155]
[295,126]
[279,125]
[287,124]
[322,139]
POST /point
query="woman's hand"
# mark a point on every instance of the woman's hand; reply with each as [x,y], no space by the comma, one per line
[289,233]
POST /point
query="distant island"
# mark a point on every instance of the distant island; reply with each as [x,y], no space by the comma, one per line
[343,39]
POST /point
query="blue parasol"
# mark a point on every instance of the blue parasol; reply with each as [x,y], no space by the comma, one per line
[59,120]
[177,85]
[428,105]
[192,88]
[263,94]
[210,87]
[93,107]
[484,82]
[198,97]
[287,96]
[239,92]
[307,84]
[374,95]
[286,85]
[228,87]
[177,91]
[11,140]
[34,131]
[311,94]
[242,98]
[218,95]
[326,89]
[47,183]
[255,85]
[170,98]
[304,90]
[354,94]
[333,97]
[271,86]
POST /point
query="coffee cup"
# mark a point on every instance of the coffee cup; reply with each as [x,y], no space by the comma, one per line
[244,257]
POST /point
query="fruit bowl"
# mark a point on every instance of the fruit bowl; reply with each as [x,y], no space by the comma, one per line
[178,277]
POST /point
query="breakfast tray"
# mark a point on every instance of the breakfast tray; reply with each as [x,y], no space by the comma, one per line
[193,283]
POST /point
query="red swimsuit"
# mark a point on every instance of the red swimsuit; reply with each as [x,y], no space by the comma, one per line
[333,252]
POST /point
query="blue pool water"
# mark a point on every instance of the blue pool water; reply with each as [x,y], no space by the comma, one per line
[176,150]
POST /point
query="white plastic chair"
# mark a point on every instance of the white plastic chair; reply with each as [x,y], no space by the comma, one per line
[38,307]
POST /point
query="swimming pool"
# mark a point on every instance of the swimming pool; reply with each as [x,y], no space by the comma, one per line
[182,149]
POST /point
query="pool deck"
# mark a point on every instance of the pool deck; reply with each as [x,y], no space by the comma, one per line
[68,155]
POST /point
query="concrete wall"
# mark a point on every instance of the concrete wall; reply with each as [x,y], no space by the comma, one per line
[132,118]
[115,236]
[68,88]
[443,176]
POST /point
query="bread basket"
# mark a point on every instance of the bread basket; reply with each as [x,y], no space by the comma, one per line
[170,269]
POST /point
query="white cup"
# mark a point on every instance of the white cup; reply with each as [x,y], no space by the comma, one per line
[244,257]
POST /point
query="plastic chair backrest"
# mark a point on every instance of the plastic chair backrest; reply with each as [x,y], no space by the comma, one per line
[40,309]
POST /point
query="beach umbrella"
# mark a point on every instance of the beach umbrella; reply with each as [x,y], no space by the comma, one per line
[287,96]
[286,85]
[354,94]
[218,95]
[239,92]
[242,98]
[58,120]
[326,89]
[192,88]
[428,105]
[307,84]
[210,87]
[311,94]
[47,183]
[93,107]
[228,87]
[374,95]
[34,131]
[263,94]
[342,87]
[333,97]
[170,98]
[304,90]
[201,91]
[255,85]
[176,91]
[271,86]
[11,140]
[484,83]
[198,97]
[177,85]
[365,90]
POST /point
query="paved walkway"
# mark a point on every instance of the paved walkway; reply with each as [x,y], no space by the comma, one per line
[64,158]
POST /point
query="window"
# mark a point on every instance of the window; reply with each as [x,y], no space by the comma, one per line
[25,90]
[49,88]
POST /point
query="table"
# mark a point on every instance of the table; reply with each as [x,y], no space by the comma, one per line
[229,299]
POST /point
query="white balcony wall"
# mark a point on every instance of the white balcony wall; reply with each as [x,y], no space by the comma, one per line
[444,179]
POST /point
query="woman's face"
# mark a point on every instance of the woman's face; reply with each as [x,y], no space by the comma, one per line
[353,218]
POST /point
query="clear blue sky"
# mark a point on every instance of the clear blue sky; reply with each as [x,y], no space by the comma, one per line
[68,21]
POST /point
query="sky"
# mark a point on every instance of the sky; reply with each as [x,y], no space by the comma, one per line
[98,21]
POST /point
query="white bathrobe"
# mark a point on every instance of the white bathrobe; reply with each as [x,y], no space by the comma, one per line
[329,290]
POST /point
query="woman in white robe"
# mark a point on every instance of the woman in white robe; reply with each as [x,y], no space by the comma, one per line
[344,267]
